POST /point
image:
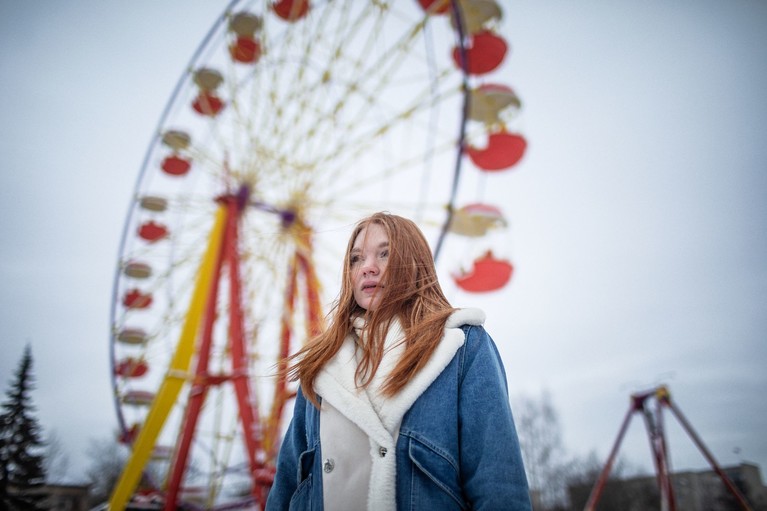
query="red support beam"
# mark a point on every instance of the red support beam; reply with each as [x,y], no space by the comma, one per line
[315,318]
[667,489]
[596,492]
[709,457]
[239,354]
[280,387]
[199,386]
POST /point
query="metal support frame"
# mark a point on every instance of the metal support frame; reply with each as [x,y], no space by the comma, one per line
[261,435]
[656,434]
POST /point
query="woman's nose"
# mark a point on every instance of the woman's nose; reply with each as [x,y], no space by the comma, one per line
[370,267]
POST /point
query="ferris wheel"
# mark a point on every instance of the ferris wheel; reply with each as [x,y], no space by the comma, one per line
[293,120]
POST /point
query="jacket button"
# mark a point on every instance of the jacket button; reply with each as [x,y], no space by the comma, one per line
[329,465]
[382,451]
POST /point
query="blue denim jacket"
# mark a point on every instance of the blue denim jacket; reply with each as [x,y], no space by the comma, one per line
[457,447]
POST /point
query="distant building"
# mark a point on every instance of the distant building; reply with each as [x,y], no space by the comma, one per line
[62,497]
[694,491]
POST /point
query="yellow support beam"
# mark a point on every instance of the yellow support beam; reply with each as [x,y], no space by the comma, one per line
[178,369]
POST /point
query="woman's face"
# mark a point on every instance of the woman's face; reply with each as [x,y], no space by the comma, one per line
[369,256]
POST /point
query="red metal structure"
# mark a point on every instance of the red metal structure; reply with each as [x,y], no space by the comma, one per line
[261,435]
[653,418]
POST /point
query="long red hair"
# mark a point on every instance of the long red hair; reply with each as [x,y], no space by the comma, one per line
[411,293]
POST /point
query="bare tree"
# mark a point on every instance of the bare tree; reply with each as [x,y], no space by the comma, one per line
[56,460]
[540,439]
[107,458]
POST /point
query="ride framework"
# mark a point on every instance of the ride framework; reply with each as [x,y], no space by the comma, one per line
[653,418]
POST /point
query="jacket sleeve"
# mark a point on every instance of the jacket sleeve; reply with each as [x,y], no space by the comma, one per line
[491,465]
[295,442]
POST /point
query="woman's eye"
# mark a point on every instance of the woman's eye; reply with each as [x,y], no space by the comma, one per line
[354,259]
[384,254]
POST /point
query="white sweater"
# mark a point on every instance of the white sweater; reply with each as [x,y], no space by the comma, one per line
[359,427]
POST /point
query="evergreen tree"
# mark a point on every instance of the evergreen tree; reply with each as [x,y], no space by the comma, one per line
[21,460]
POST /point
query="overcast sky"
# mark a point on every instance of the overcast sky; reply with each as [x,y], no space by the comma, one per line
[638,215]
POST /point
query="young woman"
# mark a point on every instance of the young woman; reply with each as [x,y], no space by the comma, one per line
[403,401]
